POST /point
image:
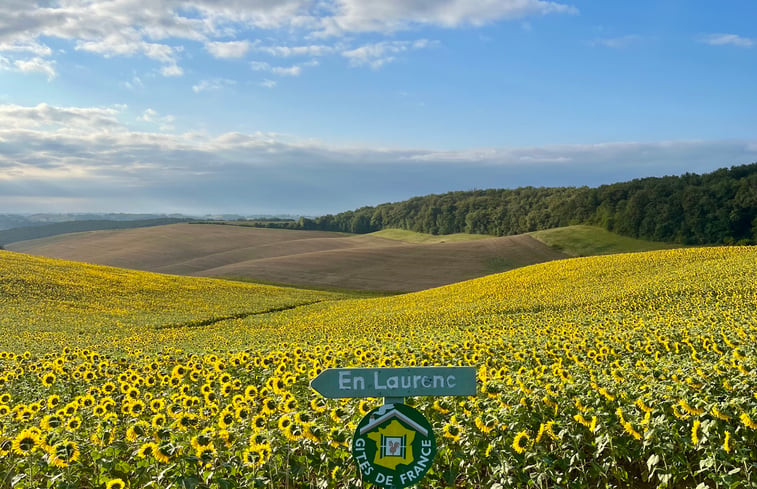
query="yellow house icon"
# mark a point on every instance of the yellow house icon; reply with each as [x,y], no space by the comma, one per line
[394,442]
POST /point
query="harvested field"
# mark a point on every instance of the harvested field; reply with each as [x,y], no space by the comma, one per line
[302,258]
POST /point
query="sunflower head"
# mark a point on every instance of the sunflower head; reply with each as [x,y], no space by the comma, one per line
[115,484]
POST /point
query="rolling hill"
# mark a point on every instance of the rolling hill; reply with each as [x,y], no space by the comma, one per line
[302,258]
[632,371]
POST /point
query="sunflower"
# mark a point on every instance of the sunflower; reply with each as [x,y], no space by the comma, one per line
[6,444]
[258,440]
[295,431]
[227,389]
[115,484]
[250,392]
[441,406]
[48,379]
[259,422]
[24,414]
[695,432]
[157,405]
[288,405]
[339,414]
[268,406]
[313,432]
[147,450]
[26,442]
[158,421]
[284,422]
[205,455]
[108,388]
[202,440]
[63,454]
[136,408]
[521,442]
[87,401]
[242,413]
[137,430]
[226,419]
[303,417]
[318,405]
[50,422]
[452,430]
[73,423]
[748,421]
[364,407]
[256,457]
[486,425]
[164,453]
[185,421]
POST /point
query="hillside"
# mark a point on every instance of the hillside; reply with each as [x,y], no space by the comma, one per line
[302,258]
[582,240]
[36,230]
[714,208]
[48,298]
[628,370]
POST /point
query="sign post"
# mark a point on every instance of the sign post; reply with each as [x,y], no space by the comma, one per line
[394,445]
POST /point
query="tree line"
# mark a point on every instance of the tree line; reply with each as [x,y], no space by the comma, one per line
[713,208]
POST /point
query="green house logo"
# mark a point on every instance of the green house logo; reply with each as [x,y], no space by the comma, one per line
[394,446]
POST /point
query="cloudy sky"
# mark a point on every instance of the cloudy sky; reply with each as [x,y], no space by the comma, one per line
[316,106]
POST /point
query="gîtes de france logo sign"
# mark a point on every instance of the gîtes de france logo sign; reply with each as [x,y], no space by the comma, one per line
[393,446]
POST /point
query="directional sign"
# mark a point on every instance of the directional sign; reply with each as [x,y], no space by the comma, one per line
[396,382]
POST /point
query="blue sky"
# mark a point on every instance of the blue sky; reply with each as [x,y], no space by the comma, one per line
[316,106]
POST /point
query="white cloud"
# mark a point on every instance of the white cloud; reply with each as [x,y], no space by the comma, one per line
[293,70]
[289,51]
[172,70]
[229,49]
[152,116]
[394,15]
[26,46]
[616,42]
[287,71]
[378,54]
[730,40]
[159,29]
[36,65]
[212,85]
[49,152]
[134,84]
[268,83]
[88,119]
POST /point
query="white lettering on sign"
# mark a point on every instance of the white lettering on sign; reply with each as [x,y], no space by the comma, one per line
[395,382]
[398,381]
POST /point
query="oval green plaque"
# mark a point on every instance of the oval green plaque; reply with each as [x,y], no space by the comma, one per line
[394,446]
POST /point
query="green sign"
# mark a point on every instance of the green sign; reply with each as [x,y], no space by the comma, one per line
[396,382]
[393,446]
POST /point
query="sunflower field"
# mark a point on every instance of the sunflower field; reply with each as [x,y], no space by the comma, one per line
[622,371]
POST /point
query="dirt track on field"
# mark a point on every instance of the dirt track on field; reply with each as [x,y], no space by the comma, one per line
[301,258]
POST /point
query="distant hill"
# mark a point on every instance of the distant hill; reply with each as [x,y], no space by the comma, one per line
[303,258]
[36,231]
[581,240]
[714,208]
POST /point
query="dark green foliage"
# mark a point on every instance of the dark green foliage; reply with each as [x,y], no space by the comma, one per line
[715,208]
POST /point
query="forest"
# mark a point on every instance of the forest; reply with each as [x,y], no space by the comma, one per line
[713,208]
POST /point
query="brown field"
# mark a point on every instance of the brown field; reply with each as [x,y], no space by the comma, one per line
[300,258]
